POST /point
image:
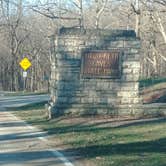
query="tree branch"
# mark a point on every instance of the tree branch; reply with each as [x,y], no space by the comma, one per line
[54,16]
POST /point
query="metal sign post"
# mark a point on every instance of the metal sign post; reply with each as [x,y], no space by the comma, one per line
[24,77]
[25,65]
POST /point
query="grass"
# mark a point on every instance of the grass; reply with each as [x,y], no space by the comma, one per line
[143,83]
[104,142]
[154,92]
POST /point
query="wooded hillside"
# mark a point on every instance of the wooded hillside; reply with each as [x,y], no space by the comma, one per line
[26,27]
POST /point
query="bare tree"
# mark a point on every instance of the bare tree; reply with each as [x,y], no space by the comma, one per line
[100,7]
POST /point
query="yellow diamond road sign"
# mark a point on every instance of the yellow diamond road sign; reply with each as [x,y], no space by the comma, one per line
[25,63]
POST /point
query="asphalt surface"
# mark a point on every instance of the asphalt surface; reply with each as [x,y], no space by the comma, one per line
[22,144]
[17,101]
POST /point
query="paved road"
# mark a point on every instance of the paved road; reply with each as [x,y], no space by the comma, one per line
[17,101]
[24,145]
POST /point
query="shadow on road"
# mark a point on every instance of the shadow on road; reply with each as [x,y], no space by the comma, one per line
[35,158]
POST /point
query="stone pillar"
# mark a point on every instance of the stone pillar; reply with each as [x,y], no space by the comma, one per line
[130,99]
[77,95]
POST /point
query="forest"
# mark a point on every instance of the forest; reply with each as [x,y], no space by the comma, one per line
[27,27]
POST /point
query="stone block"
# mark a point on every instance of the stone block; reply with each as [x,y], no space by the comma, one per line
[90,100]
[61,42]
[129,86]
[124,112]
[136,71]
[62,99]
[117,44]
[131,77]
[131,52]
[131,57]
[102,100]
[90,43]
[73,78]
[71,111]
[102,85]
[127,71]
[72,100]
[89,85]
[132,44]
[60,56]
[112,100]
[60,87]
[84,100]
[129,94]
[137,100]
[131,64]
[92,93]
[126,100]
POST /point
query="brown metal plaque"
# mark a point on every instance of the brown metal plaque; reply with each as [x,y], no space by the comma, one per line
[101,64]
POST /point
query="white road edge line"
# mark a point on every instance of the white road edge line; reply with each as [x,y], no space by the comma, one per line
[53,151]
